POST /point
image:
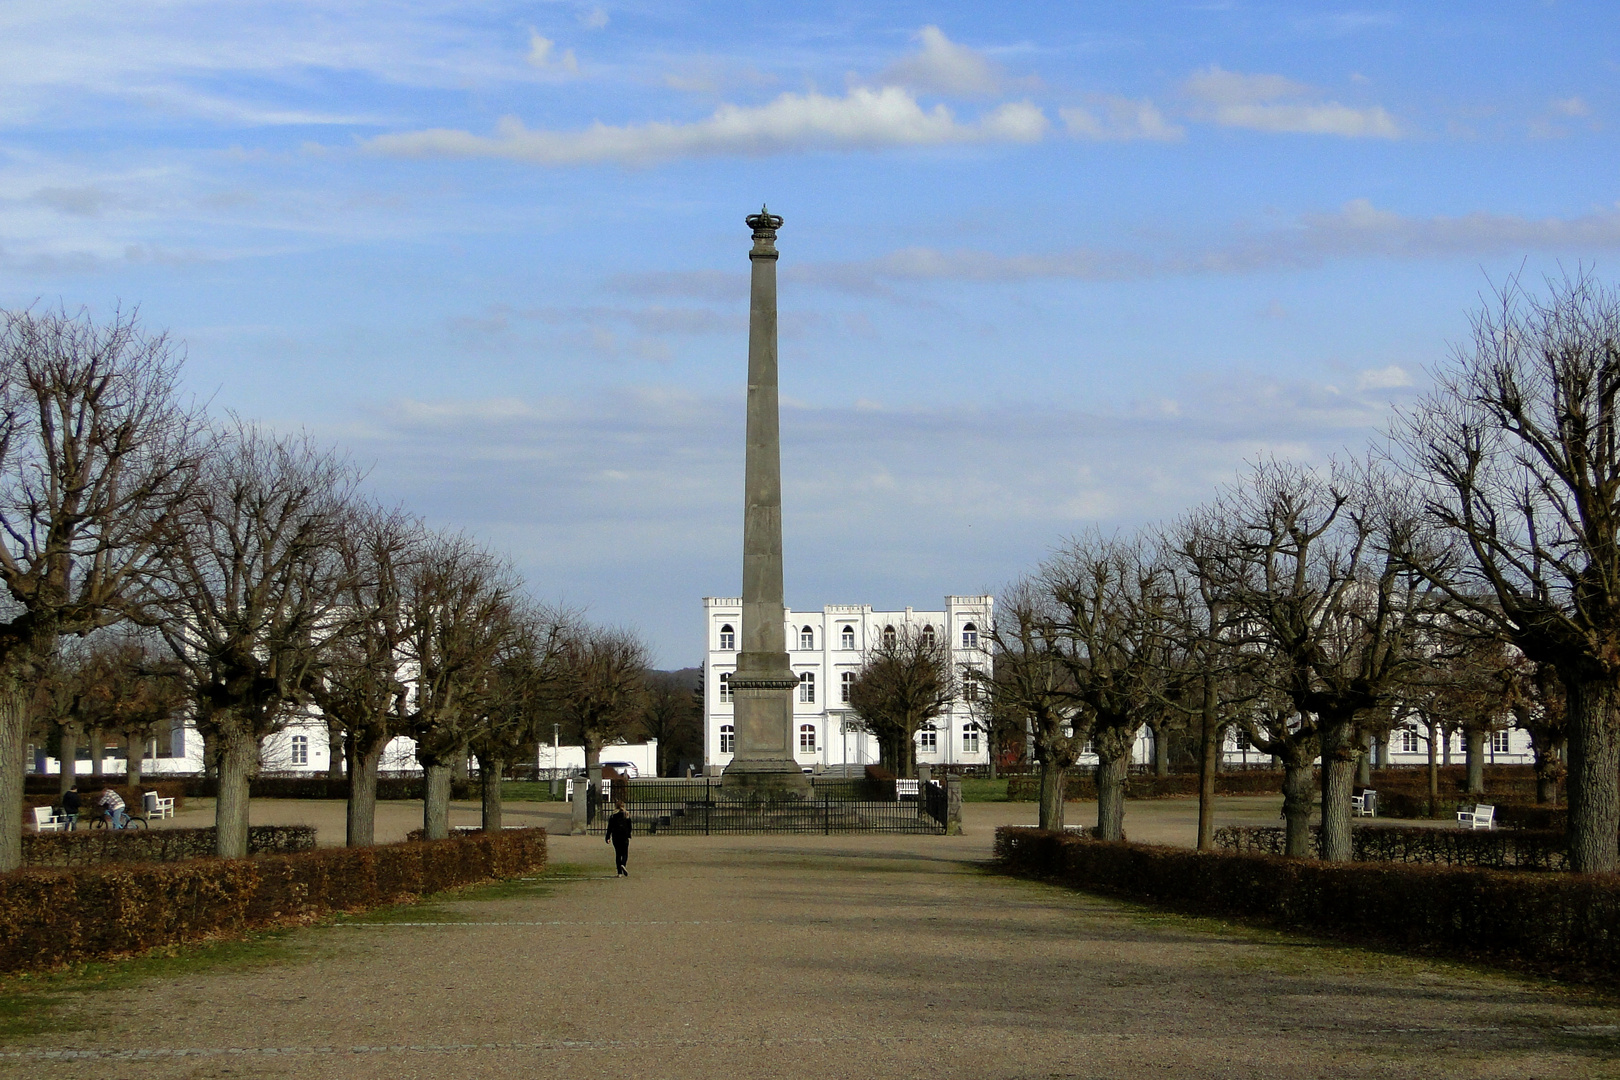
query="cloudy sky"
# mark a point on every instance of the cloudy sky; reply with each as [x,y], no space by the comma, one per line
[1043,269]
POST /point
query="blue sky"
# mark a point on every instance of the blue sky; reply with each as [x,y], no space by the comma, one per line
[1045,269]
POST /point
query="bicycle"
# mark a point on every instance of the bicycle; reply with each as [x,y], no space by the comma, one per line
[131,821]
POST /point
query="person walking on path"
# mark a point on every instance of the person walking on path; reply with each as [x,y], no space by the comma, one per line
[618,834]
[70,807]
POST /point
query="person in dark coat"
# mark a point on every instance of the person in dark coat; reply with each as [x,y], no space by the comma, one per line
[70,807]
[618,834]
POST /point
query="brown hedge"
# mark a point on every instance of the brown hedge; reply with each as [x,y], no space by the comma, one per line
[1081,783]
[1561,924]
[49,918]
[89,847]
[1497,849]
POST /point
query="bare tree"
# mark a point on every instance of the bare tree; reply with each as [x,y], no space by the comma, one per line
[96,456]
[512,703]
[1111,603]
[60,710]
[462,612]
[131,685]
[599,694]
[1517,454]
[252,595]
[674,715]
[1027,680]
[905,682]
[360,687]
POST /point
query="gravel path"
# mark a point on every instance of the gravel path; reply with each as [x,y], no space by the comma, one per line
[859,957]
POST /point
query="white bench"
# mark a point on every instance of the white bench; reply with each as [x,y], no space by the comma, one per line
[46,819]
[1365,804]
[156,806]
[607,791]
[1480,817]
[905,789]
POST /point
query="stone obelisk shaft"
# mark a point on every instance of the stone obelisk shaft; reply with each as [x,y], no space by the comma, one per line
[763,684]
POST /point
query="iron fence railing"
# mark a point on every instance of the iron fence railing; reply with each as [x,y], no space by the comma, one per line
[703,806]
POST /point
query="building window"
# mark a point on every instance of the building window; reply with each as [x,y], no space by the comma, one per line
[1499,742]
[1090,747]
[807,686]
[928,740]
[970,684]
[970,739]
[1240,739]
[846,638]
[807,738]
[300,750]
[1409,740]
[728,739]
[845,681]
[970,636]
[807,638]
[725,686]
[888,636]
[728,638]
[928,637]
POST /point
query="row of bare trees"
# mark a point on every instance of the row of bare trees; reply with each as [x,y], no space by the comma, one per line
[242,577]
[1465,575]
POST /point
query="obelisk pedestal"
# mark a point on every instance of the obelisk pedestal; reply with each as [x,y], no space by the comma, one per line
[763,684]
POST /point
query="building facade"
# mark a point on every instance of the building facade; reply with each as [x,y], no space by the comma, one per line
[825,650]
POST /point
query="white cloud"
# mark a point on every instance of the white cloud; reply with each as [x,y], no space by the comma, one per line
[1571,106]
[862,119]
[542,55]
[943,67]
[1275,103]
[1118,118]
[1392,377]
[594,19]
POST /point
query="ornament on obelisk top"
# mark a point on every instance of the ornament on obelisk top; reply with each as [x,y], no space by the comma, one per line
[763,684]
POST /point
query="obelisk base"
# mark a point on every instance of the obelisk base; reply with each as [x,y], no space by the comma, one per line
[762,689]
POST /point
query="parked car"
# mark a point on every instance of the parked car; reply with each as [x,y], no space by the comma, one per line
[625,769]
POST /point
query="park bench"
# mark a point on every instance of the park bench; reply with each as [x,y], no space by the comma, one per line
[156,806]
[1480,817]
[1365,804]
[905,789]
[49,819]
[607,791]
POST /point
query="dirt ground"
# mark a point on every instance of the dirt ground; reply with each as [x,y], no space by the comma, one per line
[824,957]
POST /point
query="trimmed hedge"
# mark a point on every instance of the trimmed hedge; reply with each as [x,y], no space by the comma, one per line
[1522,849]
[1560,924]
[49,918]
[89,847]
[1081,783]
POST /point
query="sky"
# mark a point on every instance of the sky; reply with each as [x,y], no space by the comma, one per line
[1045,268]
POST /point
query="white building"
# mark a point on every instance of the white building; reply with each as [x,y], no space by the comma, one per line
[1409,745]
[825,649]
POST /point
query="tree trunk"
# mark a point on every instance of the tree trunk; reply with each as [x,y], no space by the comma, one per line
[1364,762]
[461,767]
[436,801]
[97,750]
[1208,750]
[1381,747]
[1546,771]
[1111,772]
[238,756]
[1161,752]
[134,751]
[1339,754]
[1434,768]
[489,772]
[334,754]
[1445,747]
[1594,778]
[363,760]
[14,700]
[210,757]
[1474,745]
[1298,795]
[69,756]
[1052,781]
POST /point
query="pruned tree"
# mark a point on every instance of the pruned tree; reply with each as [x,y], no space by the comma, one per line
[96,456]
[60,710]
[512,703]
[1027,680]
[674,715]
[1111,605]
[251,597]
[133,686]
[462,609]
[599,694]
[1516,454]
[360,686]
[1536,699]
[905,683]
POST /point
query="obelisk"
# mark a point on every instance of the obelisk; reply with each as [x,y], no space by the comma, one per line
[763,684]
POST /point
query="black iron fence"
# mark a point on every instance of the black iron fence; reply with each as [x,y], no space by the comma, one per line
[702,806]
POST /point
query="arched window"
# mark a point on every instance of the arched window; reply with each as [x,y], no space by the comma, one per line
[807,638]
[807,738]
[928,637]
[807,686]
[728,638]
[970,738]
[300,750]
[845,681]
[728,739]
[888,635]
[928,740]
[846,638]
[970,636]
[725,686]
